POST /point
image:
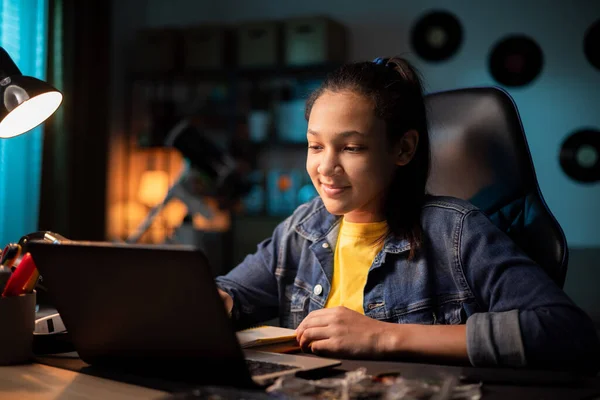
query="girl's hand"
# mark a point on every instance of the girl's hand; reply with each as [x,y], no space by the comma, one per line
[342,332]
[227,300]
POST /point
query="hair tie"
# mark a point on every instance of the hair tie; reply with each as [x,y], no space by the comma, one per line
[381,61]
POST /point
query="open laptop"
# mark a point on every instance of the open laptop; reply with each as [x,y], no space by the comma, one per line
[153,310]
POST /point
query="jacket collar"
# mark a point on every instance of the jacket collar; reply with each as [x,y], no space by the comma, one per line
[318,223]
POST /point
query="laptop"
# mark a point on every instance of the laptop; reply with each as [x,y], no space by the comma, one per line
[154,310]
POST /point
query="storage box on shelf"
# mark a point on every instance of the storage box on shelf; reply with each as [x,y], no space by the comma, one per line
[156,51]
[207,47]
[314,40]
[258,44]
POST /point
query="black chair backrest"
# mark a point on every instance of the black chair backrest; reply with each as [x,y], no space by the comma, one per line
[479,153]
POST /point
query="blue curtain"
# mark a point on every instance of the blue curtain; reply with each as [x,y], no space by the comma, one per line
[23,34]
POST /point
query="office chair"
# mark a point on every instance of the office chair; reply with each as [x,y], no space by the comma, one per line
[479,153]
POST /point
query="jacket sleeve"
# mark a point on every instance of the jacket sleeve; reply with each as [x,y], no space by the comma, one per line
[252,284]
[530,321]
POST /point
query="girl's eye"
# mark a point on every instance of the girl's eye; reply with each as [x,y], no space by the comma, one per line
[349,149]
[353,149]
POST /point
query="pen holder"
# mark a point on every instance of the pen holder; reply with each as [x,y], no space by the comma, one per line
[17,323]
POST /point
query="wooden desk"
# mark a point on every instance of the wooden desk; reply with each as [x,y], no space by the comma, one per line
[36,381]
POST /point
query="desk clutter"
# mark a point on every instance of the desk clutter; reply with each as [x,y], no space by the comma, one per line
[17,314]
[19,278]
[355,384]
[18,273]
[358,384]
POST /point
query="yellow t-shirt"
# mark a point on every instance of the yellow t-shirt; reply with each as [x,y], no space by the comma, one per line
[357,245]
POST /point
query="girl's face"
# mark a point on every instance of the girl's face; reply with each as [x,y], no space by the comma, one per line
[350,161]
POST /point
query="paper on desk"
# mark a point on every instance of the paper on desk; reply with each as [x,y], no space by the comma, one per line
[262,335]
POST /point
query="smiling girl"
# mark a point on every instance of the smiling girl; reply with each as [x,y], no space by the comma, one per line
[375,268]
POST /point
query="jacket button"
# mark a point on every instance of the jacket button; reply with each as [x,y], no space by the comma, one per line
[318,289]
[325,245]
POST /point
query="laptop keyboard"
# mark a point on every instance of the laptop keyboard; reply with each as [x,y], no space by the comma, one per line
[264,367]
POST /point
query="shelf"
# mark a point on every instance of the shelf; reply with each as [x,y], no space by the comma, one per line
[308,71]
[225,74]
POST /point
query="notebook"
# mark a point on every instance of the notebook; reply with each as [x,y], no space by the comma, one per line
[265,335]
[154,310]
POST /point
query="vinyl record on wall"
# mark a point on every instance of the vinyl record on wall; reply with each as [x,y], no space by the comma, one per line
[516,60]
[580,155]
[436,36]
[591,44]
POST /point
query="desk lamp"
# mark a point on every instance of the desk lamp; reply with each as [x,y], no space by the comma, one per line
[26,101]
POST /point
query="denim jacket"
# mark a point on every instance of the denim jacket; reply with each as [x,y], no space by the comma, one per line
[468,272]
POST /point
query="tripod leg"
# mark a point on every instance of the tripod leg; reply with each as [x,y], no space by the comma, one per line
[147,222]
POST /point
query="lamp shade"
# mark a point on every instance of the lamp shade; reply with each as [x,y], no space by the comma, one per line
[154,186]
[25,102]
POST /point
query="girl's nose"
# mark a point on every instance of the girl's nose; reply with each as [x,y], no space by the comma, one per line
[329,166]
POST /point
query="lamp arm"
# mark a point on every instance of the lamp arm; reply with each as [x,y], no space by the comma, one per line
[8,67]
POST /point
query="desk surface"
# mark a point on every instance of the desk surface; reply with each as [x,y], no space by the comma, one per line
[498,383]
[37,381]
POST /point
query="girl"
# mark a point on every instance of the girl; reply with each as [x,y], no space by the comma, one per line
[376,268]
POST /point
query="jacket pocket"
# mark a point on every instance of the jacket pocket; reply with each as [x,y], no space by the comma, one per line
[451,313]
[297,310]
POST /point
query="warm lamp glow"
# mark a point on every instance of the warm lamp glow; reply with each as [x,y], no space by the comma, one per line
[124,217]
[154,186]
[30,114]
[174,213]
